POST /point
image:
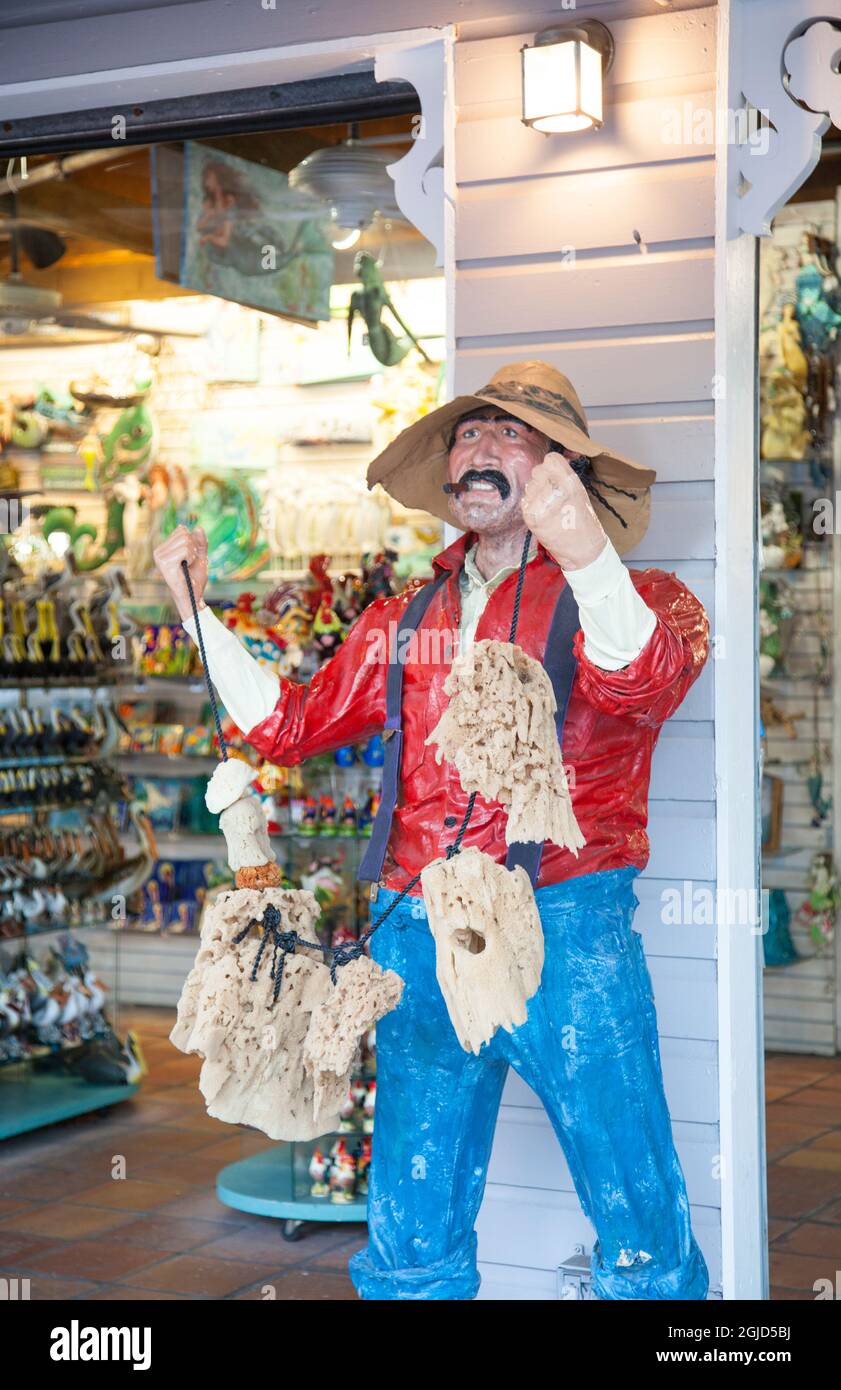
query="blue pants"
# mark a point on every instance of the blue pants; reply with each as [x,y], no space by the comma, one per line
[588,1049]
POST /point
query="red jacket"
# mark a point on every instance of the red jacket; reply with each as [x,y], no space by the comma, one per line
[612,723]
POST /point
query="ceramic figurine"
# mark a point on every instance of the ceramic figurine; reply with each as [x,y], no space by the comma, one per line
[363,1163]
[347,823]
[319,1171]
[378,576]
[343,1176]
[820,909]
[309,818]
[784,431]
[319,585]
[327,628]
[326,815]
[347,1114]
[373,754]
[370,1102]
[358,1090]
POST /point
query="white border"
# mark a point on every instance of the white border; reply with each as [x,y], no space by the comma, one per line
[740,1023]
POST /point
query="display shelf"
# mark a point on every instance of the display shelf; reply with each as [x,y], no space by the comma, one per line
[265,1185]
[154,590]
[53,760]
[45,930]
[158,687]
[31,808]
[29,1101]
[185,844]
[32,1094]
[63,683]
[165,764]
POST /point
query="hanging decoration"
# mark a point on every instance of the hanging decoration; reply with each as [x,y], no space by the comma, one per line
[778,947]
[776,618]
[820,909]
[370,302]
[234,228]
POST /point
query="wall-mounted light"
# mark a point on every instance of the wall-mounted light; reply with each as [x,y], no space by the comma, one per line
[563,77]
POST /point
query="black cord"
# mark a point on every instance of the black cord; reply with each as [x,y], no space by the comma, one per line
[524,559]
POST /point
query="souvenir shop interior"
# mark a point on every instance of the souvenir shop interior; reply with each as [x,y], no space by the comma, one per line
[800,668]
[218,333]
[800,583]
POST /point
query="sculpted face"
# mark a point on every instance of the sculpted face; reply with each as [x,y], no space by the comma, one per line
[507,451]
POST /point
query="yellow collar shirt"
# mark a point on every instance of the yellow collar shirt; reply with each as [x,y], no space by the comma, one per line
[475,592]
[615,621]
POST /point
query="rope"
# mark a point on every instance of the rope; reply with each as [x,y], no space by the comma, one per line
[515,616]
[283,943]
[583,467]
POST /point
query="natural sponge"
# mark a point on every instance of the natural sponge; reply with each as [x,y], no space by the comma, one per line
[362,994]
[260,1066]
[499,731]
[488,942]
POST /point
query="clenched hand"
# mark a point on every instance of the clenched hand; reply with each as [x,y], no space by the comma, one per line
[192,547]
[560,516]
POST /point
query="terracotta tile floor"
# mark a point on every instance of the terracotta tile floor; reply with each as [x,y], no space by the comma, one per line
[75,1233]
[803,1131]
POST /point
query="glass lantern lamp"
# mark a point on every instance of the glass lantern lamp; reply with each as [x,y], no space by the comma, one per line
[563,77]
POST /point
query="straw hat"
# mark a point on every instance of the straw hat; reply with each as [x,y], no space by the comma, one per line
[413,467]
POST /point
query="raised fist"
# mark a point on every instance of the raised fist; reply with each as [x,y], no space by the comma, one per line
[192,547]
[560,515]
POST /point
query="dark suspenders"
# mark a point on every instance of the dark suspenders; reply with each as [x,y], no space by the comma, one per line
[560,665]
[372,860]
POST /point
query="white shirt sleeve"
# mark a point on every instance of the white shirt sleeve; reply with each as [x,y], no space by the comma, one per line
[248,690]
[615,621]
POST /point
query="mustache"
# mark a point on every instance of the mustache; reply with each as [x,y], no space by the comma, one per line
[480,475]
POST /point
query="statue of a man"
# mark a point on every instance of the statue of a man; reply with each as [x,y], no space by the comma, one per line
[514,457]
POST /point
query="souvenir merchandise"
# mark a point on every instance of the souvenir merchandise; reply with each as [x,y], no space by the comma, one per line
[781,526]
[820,909]
[113,457]
[132,808]
[776,616]
[55,1008]
[61,624]
[778,947]
[800,318]
[228,510]
[165,651]
[370,302]
[173,898]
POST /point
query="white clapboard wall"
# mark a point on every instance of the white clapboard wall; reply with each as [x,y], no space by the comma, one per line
[595,253]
